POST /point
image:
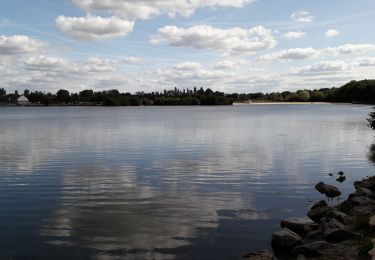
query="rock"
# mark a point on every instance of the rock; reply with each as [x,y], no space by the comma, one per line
[372,221]
[372,251]
[300,226]
[340,216]
[363,191]
[258,255]
[284,240]
[367,184]
[330,174]
[340,173]
[339,235]
[313,236]
[357,200]
[345,206]
[332,223]
[319,204]
[319,212]
[314,249]
[329,190]
[341,179]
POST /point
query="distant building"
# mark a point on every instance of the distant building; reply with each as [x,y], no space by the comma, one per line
[22,100]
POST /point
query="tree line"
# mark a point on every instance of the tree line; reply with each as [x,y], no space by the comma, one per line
[353,92]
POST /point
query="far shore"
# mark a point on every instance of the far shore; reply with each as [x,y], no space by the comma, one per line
[284,103]
[253,103]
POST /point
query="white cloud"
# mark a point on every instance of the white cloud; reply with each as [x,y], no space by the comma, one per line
[91,28]
[332,33]
[126,12]
[98,65]
[20,44]
[189,73]
[229,64]
[43,63]
[234,41]
[367,61]
[133,60]
[293,35]
[322,67]
[80,68]
[302,16]
[290,54]
[145,9]
[307,53]
[349,49]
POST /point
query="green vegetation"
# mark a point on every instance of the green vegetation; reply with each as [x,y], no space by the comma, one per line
[353,92]
[371,121]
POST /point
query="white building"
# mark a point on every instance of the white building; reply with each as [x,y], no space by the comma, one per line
[22,100]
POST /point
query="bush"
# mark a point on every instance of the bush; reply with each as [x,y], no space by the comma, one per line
[371,120]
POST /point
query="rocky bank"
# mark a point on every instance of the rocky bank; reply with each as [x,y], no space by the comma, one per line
[345,231]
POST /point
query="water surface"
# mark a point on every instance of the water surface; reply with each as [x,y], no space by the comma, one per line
[167,182]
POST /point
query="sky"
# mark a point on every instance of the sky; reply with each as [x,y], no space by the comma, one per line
[149,45]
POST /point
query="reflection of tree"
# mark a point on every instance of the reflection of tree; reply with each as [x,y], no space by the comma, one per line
[371,124]
[371,153]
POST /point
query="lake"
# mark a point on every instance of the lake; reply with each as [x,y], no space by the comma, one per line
[167,182]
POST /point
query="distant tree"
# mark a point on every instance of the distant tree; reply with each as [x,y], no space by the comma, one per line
[303,96]
[2,92]
[63,96]
[16,93]
[134,101]
[208,100]
[86,94]
[75,98]
[208,92]
[26,93]
[201,91]
[147,102]
[317,96]
[113,93]
[371,120]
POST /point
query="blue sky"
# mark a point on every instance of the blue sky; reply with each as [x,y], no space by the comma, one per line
[150,45]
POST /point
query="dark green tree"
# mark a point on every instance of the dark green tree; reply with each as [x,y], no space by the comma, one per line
[86,94]
[303,96]
[63,96]
[2,92]
[26,93]
[371,120]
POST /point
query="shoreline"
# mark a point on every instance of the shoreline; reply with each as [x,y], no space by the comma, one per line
[234,104]
[345,231]
[286,103]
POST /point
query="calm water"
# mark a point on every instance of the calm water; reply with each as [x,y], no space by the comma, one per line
[167,182]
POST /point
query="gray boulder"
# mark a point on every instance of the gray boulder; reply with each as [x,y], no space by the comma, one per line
[341,179]
[316,214]
[314,249]
[367,184]
[284,240]
[313,236]
[328,190]
[258,255]
[340,216]
[331,224]
[357,200]
[339,235]
[300,226]
[363,191]
[319,204]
